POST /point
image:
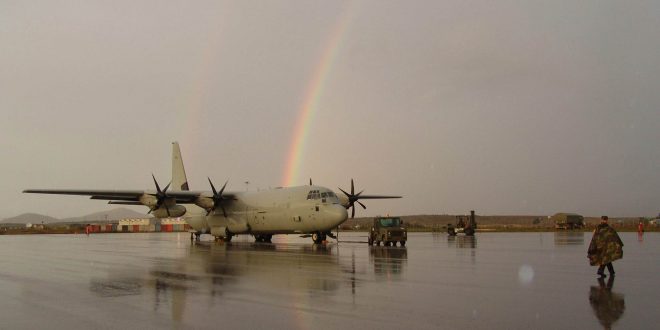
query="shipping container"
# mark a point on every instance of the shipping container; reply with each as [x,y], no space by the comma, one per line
[136,228]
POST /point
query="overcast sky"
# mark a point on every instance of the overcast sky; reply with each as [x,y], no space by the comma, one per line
[504,107]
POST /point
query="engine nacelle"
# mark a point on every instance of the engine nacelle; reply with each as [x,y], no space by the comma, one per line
[205,203]
[148,200]
[238,227]
[219,231]
[175,211]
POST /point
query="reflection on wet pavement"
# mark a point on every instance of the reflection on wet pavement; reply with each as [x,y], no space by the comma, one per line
[161,280]
[388,261]
[608,306]
[569,238]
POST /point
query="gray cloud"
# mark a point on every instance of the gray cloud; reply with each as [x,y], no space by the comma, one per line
[504,107]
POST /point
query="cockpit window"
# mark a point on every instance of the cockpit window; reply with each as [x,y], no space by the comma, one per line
[314,194]
[317,194]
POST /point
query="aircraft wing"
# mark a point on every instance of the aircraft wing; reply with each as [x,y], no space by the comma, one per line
[119,194]
[182,197]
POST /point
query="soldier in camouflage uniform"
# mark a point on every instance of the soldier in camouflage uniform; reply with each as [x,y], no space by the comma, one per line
[605,247]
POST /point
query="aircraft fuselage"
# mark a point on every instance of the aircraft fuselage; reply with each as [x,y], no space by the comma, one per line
[290,210]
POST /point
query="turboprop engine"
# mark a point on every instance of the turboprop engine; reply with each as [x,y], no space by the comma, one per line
[211,203]
[160,204]
[172,211]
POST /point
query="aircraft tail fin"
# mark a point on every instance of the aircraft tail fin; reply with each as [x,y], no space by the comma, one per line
[179,180]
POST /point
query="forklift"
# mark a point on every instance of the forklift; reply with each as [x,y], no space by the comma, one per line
[464,224]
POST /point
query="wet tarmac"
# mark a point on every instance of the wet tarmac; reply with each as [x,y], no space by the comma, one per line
[494,280]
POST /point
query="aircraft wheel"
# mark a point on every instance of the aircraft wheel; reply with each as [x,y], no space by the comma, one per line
[318,238]
[393,243]
[377,243]
[403,243]
[267,238]
[370,241]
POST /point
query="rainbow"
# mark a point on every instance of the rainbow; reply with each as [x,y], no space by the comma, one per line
[310,103]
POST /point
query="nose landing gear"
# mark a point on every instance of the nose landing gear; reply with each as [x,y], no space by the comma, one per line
[318,237]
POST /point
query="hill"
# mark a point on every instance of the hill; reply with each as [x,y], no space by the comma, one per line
[114,214]
[30,218]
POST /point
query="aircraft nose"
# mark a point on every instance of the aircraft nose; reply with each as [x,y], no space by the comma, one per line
[337,214]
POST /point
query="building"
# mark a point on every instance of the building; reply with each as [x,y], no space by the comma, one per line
[135,225]
[173,224]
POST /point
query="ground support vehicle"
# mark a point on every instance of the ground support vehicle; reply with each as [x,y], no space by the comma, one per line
[568,221]
[388,230]
[464,224]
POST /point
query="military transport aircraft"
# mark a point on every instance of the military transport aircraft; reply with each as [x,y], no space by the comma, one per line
[306,210]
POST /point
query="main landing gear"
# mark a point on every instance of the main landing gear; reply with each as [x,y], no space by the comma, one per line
[265,238]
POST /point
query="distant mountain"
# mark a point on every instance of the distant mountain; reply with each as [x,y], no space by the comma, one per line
[30,218]
[114,214]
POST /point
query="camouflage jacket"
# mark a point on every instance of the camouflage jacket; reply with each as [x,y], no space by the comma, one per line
[605,246]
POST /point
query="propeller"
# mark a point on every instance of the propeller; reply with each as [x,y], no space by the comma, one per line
[352,199]
[310,181]
[161,195]
[217,198]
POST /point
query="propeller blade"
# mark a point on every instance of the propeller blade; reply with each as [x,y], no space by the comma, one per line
[310,181]
[364,207]
[353,212]
[352,187]
[156,182]
[217,198]
[212,187]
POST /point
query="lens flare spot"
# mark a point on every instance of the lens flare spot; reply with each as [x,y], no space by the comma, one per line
[526,274]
